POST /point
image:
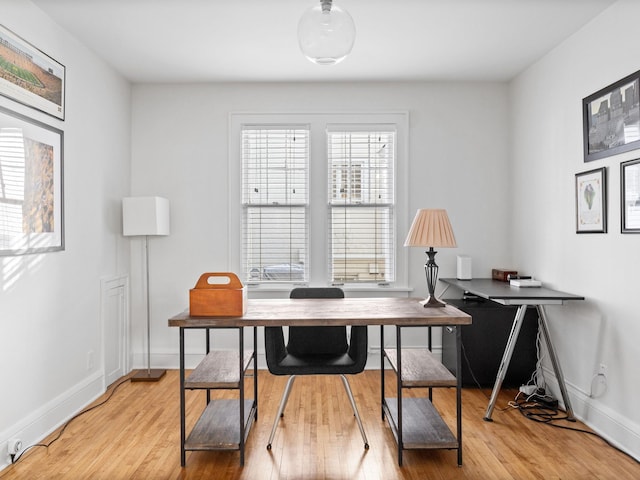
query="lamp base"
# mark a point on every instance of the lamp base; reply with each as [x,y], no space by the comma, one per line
[430,302]
[145,375]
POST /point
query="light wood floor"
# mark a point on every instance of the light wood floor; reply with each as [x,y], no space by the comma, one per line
[136,435]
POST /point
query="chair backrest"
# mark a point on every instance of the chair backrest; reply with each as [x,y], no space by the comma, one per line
[317,340]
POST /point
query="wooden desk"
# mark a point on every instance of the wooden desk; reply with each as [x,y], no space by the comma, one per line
[399,312]
[505,294]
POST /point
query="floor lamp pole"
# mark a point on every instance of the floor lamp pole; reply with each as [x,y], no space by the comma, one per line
[148,375]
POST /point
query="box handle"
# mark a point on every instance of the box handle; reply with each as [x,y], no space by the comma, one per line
[233,283]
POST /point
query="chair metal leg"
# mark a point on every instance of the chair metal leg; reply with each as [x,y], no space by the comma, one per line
[345,382]
[283,403]
[285,396]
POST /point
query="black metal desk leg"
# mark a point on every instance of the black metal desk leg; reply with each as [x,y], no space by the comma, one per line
[382,370]
[207,350]
[506,358]
[399,387]
[459,391]
[255,371]
[182,401]
[241,366]
[542,322]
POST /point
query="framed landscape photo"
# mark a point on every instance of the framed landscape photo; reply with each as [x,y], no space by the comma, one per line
[29,76]
[31,186]
[591,201]
[611,119]
[630,196]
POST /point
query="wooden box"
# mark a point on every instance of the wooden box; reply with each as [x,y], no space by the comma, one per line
[218,294]
[502,274]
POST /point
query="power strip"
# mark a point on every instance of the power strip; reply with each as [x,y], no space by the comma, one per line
[528,389]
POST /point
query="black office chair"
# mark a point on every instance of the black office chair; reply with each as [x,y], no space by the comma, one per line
[316,351]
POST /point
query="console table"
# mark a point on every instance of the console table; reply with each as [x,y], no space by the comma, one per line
[505,294]
[399,312]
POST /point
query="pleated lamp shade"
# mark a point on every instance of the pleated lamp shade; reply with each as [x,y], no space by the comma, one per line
[431,228]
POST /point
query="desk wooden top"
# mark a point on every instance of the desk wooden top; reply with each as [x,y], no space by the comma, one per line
[330,311]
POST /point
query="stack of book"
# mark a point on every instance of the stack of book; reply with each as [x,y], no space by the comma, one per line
[523,281]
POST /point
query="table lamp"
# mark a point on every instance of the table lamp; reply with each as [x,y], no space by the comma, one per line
[145,216]
[431,228]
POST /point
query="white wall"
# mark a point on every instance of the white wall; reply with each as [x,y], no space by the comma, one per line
[50,303]
[545,105]
[472,148]
[458,161]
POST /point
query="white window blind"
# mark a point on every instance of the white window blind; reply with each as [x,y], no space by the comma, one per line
[361,203]
[275,203]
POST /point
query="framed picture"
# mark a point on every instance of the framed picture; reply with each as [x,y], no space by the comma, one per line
[611,119]
[591,201]
[30,76]
[630,196]
[31,194]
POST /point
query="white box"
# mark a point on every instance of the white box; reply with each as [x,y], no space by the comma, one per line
[464,267]
[525,282]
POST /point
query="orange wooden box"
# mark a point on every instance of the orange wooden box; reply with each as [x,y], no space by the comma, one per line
[214,297]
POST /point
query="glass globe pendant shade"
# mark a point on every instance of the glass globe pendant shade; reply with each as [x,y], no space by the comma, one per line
[326,33]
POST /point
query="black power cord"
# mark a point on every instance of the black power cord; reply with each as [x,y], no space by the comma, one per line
[16,457]
[539,407]
[544,409]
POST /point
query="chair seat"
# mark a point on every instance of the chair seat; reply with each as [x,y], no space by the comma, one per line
[317,365]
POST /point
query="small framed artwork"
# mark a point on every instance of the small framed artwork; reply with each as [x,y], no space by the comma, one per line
[611,119]
[31,190]
[630,196]
[591,201]
[29,76]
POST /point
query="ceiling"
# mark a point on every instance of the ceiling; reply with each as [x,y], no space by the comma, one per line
[160,41]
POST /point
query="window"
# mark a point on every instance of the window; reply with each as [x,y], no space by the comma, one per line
[12,185]
[274,202]
[314,199]
[361,202]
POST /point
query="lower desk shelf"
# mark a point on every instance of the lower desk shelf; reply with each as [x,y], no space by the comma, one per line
[224,424]
[422,426]
[218,426]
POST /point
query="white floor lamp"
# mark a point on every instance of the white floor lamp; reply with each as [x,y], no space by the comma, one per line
[145,216]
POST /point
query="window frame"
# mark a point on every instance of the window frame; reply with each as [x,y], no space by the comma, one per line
[318,191]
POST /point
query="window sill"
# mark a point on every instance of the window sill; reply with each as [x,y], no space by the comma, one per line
[287,287]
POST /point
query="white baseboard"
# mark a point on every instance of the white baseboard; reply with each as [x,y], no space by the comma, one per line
[46,419]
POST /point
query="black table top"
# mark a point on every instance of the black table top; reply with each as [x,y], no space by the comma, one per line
[504,292]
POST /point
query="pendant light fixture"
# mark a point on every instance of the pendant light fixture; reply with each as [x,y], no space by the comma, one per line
[326,33]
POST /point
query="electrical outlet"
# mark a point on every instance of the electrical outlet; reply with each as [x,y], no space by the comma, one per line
[14,446]
[599,382]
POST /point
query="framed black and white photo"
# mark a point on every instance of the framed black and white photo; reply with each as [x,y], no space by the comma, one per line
[591,201]
[30,76]
[611,119]
[630,196]
[31,186]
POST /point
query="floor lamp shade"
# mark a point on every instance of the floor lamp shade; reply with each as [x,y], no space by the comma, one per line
[145,216]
